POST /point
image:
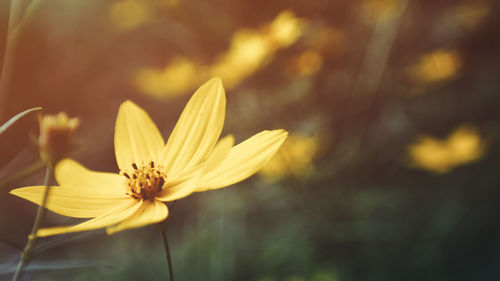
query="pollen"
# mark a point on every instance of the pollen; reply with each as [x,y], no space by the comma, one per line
[144,181]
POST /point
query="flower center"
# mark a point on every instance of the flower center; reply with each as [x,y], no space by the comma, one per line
[144,182]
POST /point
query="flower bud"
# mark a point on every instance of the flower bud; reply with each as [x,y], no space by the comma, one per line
[56,136]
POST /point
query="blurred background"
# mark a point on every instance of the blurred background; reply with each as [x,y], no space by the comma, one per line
[390,171]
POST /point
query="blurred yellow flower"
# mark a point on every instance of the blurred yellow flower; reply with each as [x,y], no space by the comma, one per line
[129,14]
[437,66]
[56,136]
[464,145]
[285,29]
[152,172]
[294,158]
[250,50]
[177,78]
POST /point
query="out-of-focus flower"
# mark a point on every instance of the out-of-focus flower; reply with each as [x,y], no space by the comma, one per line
[177,78]
[294,158]
[285,29]
[464,145]
[250,50]
[129,14]
[437,66]
[152,172]
[56,136]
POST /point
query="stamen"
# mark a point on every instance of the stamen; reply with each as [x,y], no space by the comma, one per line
[145,181]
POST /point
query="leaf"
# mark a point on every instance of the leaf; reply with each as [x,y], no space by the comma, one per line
[15,118]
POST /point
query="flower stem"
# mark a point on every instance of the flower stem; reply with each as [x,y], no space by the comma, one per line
[167,252]
[26,253]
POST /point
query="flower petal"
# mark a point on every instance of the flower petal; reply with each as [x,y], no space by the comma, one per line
[180,189]
[197,130]
[112,217]
[137,139]
[70,201]
[219,153]
[244,160]
[83,194]
[70,173]
[149,213]
[186,182]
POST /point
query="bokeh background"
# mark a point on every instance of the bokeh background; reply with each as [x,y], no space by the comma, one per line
[390,172]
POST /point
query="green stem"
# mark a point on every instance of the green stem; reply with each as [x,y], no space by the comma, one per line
[167,252]
[26,254]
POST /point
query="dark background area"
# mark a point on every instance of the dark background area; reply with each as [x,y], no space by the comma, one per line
[390,171]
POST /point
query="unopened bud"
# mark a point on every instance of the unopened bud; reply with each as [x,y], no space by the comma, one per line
[56,136]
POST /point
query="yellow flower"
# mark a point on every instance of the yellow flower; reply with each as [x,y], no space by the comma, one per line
[150,171]
[462,146]
[56,136]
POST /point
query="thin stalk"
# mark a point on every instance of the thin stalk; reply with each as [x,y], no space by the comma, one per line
[40,214]
[167,252]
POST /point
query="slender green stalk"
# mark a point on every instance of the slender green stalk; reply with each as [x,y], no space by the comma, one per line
[26,254]
[167,252]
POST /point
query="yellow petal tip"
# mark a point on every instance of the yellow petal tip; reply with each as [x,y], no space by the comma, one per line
[128,103]
[214,83]
[215,79]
